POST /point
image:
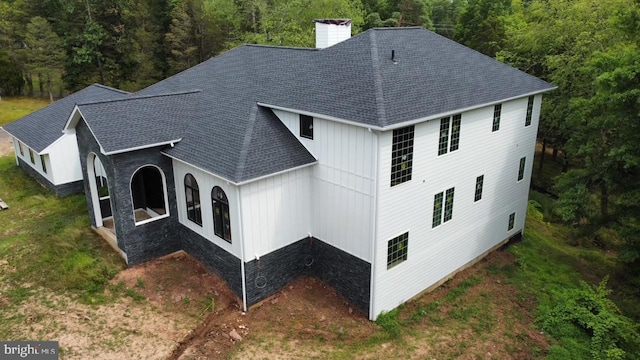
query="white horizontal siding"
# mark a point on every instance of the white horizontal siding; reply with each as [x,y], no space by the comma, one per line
[276,212]
[206,182]
[343,183]
[476,227]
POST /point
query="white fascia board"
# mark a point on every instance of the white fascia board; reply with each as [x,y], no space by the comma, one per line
[199,168]
[458,111]
[322,116]
[241,182]
[48,149]
[404,123]
[277,173]
[169,142]
[73,119]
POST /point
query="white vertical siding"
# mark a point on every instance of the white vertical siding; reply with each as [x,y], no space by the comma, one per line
[342,185]
[37,164]
[206,182]
[434,253]
[276,211]
[65,160]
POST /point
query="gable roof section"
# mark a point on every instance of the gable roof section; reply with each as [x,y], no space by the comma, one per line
[354,81]
[43,127]
[266,147]
[139,122]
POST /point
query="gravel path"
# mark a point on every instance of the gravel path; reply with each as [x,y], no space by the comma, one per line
[6,145]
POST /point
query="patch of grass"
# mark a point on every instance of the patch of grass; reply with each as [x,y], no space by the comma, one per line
[462,287]
[389,322]
[14,108]
[47,241]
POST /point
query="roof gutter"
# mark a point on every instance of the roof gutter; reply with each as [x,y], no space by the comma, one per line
[169,142]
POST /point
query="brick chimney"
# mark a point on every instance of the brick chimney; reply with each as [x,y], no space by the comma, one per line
[331,31]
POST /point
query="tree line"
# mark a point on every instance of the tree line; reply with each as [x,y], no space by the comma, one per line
[589,49]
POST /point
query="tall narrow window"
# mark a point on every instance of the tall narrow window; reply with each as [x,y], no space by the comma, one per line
[455,132]
[306,126]
[479,183]
[397,249]
[402,155]
[437,209]
[44,164]
[512,221]
[443,145]
[527,122]
[192,196]
[221,218]
[33,161]
[496,117]
[521,169]
[448,205]
[21,148]
[449,139]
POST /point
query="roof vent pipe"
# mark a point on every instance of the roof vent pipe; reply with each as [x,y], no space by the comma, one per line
[331,31]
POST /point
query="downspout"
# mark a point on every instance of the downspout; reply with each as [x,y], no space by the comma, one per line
[374,215]
[244,282]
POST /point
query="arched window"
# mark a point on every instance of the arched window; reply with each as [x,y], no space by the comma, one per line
[148,193]
[192,195]
[221,218]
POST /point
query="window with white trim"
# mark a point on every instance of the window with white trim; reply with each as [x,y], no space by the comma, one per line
[33,160]
[527,121]
[148,194]
[192,196]
[497,110]
[479,184]
[21,148]
[442,207]
[306,126]
[449,139]
[512,221]
[521,168]
[397,250]
[44,164]
[402,155]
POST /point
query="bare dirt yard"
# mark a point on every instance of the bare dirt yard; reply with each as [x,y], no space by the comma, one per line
[6,145]
[172,308]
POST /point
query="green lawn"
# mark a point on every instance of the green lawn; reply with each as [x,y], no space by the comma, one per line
[15,108]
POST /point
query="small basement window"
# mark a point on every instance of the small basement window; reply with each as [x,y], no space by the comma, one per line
[306,126]
[397,249]
[512,221]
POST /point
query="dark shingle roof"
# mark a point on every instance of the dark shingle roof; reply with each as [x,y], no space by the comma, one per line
[140,121]
[356,80]
[41,128]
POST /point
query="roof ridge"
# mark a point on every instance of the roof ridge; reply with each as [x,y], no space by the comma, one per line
[141,97]
[377,81]
[281,47]
[248,136]
[398,28]
[110,88]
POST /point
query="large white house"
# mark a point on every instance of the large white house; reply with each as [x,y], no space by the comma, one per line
[383,163]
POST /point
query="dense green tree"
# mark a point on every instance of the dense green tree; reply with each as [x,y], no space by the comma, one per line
[181,40]
[10,77]
[445,15]
[44,53]
[482,25]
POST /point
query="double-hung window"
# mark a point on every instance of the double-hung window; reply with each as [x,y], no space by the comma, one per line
[497,110]
[449,139]
[442,207]
[527,121]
